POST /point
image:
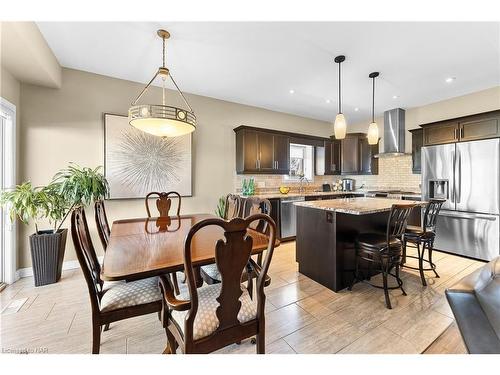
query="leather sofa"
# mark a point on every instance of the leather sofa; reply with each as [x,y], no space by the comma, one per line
[475,302]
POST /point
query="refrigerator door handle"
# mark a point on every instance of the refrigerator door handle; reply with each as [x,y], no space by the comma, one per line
[469,216]
[453,187]
[459,197]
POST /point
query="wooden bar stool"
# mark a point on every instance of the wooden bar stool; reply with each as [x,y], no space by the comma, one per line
[424,236]
[384,250]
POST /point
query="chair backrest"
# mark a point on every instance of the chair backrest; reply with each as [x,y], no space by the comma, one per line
[234,206]
[431,214]
[255,205]
[398,219]
[232,254]
[86,255]
[101,221]
[163,203]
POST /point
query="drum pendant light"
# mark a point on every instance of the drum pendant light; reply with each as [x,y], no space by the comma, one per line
[373,128]
[160,119]
[340,125]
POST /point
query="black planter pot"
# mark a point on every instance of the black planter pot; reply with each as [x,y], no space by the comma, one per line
[47,254]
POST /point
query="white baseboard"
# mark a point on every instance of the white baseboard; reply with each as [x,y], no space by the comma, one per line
[68,265]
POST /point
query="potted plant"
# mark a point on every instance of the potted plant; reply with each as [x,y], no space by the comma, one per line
[71,187]
[30,203]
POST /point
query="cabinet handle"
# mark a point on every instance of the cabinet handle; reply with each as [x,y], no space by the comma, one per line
[455,133]
[256,163]
[277,164]
[461,132]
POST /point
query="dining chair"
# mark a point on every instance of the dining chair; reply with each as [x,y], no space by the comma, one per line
[163,202]
[205,319]
[425,236]
[384,250]
[102,224]
[110,302]
[237,206]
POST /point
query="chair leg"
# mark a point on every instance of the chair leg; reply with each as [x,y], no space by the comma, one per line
[403,255]
[174,281]
[433,266]
[384,278]
[96,337]
[421,263]
[398,279]
[106,327]
[171,343]
[261,343]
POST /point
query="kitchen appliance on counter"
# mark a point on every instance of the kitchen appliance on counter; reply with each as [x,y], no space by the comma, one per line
[347,184]
[467,175]
[288,216]
[326,187]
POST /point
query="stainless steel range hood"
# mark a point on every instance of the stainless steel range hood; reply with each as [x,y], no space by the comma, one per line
[394,133]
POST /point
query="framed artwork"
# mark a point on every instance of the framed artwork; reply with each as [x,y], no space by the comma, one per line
[136,163]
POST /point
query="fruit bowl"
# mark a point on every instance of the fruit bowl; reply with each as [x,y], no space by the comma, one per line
[284,189]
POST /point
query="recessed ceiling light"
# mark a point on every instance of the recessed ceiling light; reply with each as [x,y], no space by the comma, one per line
[356,109]
[450,79]
[328,101]
[395,96]
[292,91]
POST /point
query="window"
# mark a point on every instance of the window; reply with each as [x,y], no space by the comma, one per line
[301,162]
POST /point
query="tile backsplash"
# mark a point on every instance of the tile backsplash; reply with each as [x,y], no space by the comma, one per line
[394,173]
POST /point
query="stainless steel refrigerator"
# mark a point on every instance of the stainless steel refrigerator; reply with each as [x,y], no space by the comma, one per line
[467,175]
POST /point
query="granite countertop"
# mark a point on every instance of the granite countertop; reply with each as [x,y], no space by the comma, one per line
[307,194]
[357,206]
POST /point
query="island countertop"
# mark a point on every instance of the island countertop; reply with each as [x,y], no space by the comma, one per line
[357,206]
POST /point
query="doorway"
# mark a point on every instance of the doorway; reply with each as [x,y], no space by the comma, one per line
[7,180]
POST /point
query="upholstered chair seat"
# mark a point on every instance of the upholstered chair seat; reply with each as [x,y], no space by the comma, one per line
[126,294]
[206,321]
[212,271]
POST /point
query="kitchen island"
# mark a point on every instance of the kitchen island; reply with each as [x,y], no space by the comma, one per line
[327,231]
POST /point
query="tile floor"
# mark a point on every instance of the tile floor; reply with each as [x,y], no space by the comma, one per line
[302,315]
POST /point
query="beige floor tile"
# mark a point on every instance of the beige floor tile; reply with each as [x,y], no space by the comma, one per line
[327,335]
[288,319]
[380,341]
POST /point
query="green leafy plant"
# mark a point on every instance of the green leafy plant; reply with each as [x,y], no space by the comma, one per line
[221,207]
[80,186]
[29,203]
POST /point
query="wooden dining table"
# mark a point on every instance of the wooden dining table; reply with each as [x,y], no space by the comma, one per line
[146,247]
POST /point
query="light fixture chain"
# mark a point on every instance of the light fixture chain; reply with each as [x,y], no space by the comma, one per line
[163,52]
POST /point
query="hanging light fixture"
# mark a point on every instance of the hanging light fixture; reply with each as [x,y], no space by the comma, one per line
[161,119]
[340,125]
[373,128]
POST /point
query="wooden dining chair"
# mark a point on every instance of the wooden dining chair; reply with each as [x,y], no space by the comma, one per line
[239,207]
[114,301]
[102,224]
[202,320]
[163,203]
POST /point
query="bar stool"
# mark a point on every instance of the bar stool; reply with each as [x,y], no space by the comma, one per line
[424,236]
[384,250]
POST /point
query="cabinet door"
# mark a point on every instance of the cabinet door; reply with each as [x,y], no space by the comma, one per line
[328,158]
[266,152]
[480,129]
[249,150]
[441,133]
[281,154]
[350,155]
[365,156]
[417,141]
[335,157]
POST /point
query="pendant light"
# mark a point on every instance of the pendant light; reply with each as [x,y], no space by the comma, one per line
[373,128]
[340,125]
[160,119]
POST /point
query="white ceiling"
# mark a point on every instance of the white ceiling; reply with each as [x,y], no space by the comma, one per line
[258,63]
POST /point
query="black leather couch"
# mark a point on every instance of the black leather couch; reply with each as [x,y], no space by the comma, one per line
[475,302]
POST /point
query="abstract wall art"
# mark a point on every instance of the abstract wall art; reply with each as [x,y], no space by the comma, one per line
[136,163]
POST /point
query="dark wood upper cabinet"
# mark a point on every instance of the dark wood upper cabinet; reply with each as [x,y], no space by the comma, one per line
[358,157]
[445,132]
[417,141]
[469,128]
[258,151]
[332,157]
[480,128]
[350,154]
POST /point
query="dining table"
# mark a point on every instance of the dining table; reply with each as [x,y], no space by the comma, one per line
[146,247]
